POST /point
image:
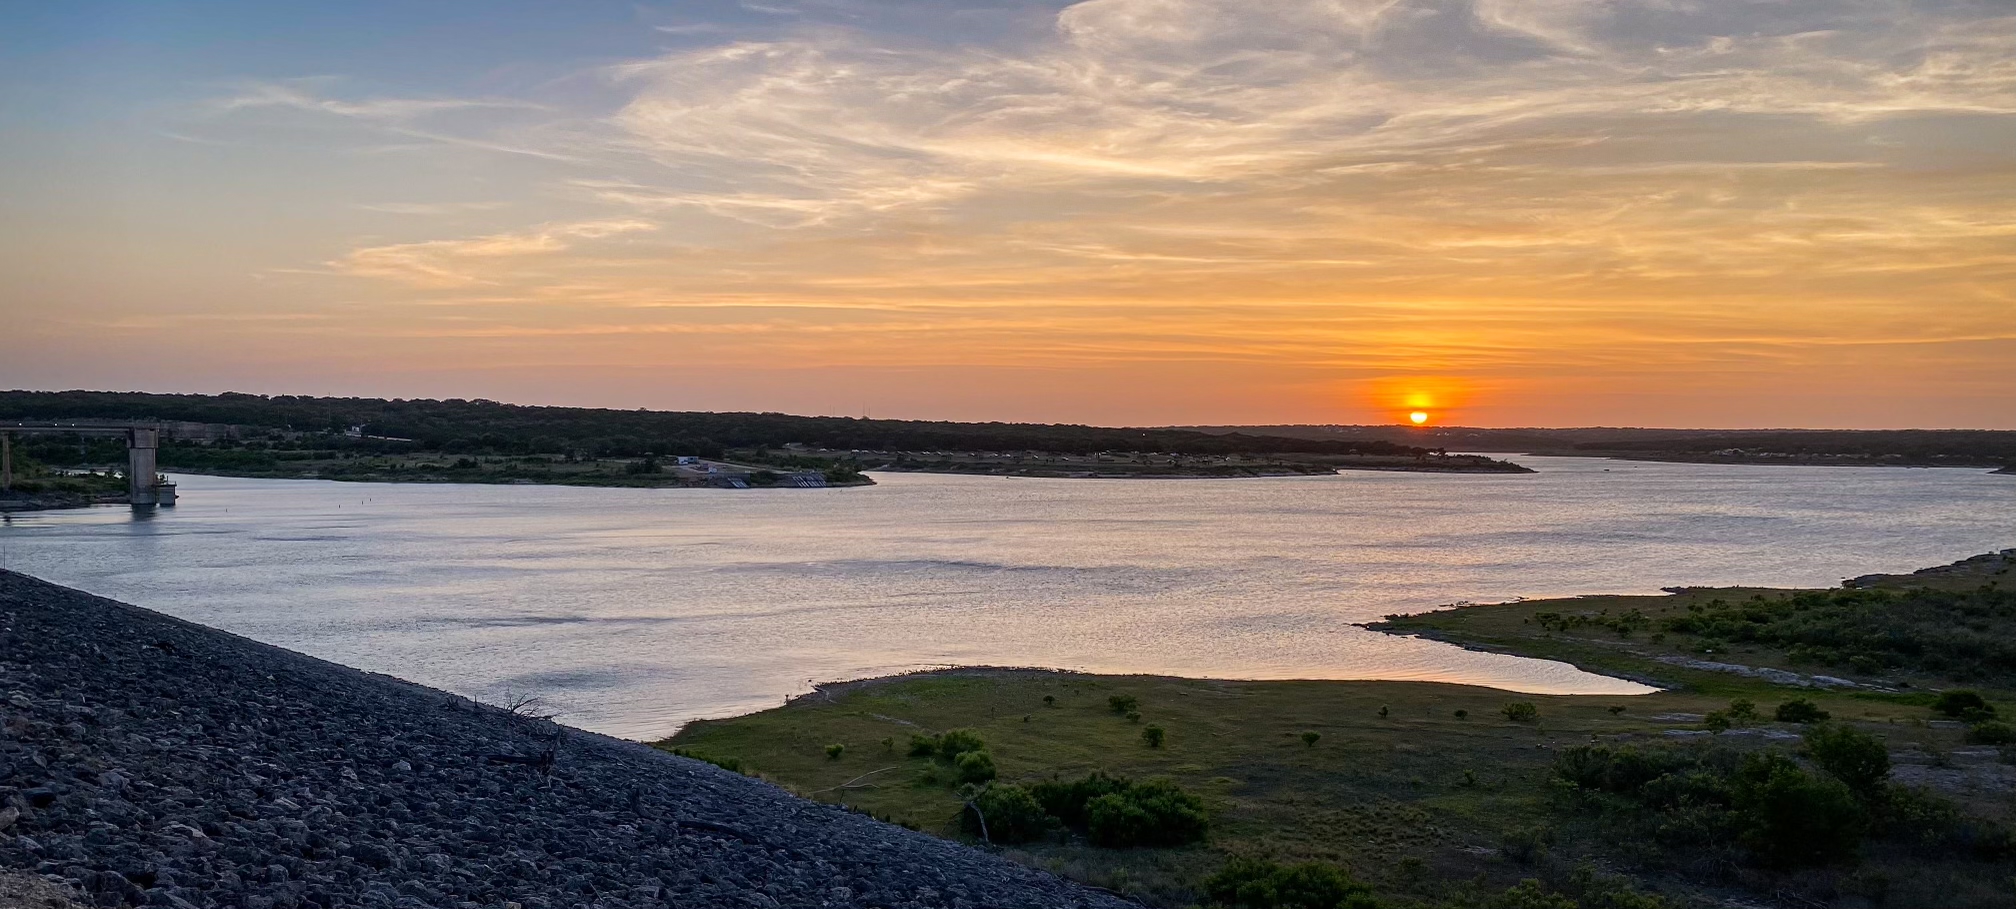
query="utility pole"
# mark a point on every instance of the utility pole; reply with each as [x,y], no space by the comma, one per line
[6,462]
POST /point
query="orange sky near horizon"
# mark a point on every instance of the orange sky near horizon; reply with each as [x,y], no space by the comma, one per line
[1122,212]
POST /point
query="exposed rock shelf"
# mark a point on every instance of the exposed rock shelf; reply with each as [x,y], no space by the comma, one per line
[151,761]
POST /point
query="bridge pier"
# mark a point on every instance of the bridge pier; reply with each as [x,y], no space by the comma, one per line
[144,488]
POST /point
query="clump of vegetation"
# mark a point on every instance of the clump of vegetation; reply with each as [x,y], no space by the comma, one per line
[1800,710]
[834,751]
[974,766]
[1118,813]
[1964,705]
[1520,711]
[1049,700]
[1309,738]
[1462,714]
[1956,634]
[1856,758]
[1123,703]
[1251,883]
[1154,735]
[1624,625]
[1006,814]
[1774,811]
[1991,732]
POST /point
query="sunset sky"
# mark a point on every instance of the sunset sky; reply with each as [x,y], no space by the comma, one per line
[1720,213]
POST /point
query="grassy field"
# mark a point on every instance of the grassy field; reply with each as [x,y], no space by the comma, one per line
[1428,792]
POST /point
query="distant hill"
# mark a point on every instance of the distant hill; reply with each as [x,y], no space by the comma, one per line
[1901,447]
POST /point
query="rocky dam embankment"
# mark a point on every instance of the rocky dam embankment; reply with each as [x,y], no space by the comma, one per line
[149,761]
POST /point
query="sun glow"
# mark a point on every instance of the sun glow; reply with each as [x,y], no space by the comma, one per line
[1418,417]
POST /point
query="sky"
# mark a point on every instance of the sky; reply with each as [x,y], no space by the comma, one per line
[1720,213]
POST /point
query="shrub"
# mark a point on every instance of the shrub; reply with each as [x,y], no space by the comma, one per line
[1800,710]
[974,766]
[1250,883]
[1118,813]
[1716,721]
[1066,800]
[1133,716]
[1742,710]
[1520,711]
[1152,813]
[1049,700]
[834,751]
[1309,738]
[1528,894]
[1462,714]
[1153,735]
[1696,798]
[1615,709]
[1123,703]
[1851,756]
[1383,711]
[1962,704]
[923,745]
[1011,813]
[1791,817]
[957,742]
[889,743]
[1991,732]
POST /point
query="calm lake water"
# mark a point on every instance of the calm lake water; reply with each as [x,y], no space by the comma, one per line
[636,610]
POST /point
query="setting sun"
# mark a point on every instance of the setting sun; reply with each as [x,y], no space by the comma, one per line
[1419,417]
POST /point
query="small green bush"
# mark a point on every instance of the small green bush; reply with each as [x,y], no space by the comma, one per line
[1133,716]
[1462,714]
[1049,700]
[1963,704]
[1151,813]
[1383,711]
[1716,721]
[957,742]
[1791,817]
[1520,711]
[1153,735]
[1991,732]
[1529,894]
[1799,710]
[1309,738]
[1011,813]
[1118,813]
[923,745]
[1123,703]
[1742,710]
[974,766]
[1250,883]
[834,751]
[1852,756]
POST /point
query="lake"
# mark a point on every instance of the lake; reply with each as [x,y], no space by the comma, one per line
[633,611]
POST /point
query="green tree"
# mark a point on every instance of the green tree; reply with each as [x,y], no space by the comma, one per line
[1800,710]
[1852,756]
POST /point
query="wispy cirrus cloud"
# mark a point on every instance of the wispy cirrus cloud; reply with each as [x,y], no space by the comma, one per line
[474,261]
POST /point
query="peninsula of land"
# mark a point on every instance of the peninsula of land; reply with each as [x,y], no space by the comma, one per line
[1843,747]
[458,441]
